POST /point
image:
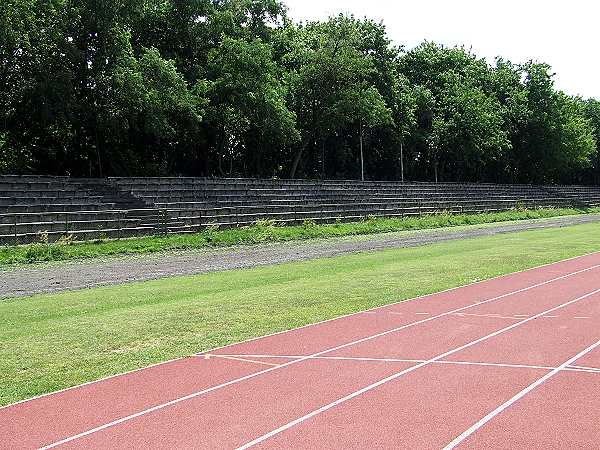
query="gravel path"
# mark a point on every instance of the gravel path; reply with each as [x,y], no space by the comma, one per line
[62,276]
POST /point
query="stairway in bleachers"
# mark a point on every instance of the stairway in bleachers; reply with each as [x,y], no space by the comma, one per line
[589,196]
[32,206]
[123,207]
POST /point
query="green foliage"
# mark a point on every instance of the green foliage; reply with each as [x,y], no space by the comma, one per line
[247,105]
[461,129]
[332,69]
[554,142]
[233,87]
[592,112]
[146,100]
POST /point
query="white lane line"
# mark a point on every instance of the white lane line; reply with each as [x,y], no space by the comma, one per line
[423,314]
[488,316]
[418,361]
[550,317]
[523,315]
[322,322]
[585,369]
[235,358]
[396,313]
[411,369]
[582,318]
[517,366]
[333,358]
[582,370]
[517,397]
[256,374]
[479,315]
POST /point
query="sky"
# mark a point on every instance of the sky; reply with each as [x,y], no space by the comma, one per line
[564,34]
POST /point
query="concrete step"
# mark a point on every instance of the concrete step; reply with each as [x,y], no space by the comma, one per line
[82,235]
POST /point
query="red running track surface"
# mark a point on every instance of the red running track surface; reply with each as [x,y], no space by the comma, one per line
[512,362]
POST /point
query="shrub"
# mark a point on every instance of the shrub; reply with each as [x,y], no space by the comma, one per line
[309,223]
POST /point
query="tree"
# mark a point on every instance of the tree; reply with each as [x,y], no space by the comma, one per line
[234,87]
[35,84]
[460,122]
[247,105]
[331,81]
[555,140]
[592,112]
[146,105]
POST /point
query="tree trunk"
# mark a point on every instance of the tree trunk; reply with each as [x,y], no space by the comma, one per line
[204,160]
[220,150]
[98,151]
[402,161]
[323,174]
[298,156]
[362,158]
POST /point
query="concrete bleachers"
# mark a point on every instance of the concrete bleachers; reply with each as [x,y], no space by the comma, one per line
[589,195]
[228,202]
[122,207]
[60,206]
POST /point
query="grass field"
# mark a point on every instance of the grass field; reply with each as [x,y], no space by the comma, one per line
[262,232]
[49,342]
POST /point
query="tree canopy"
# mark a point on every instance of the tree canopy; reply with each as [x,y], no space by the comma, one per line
[236,88]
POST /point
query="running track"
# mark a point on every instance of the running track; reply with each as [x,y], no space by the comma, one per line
[512,362]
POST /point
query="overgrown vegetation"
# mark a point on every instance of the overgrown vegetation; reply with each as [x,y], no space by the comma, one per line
[50,342]
[261,232]
[234,87]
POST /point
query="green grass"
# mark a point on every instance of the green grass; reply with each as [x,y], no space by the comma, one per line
[49,342]
[259,233]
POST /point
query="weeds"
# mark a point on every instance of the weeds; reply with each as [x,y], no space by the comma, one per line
[260,232]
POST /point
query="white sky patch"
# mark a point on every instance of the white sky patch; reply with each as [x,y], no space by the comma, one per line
[563,34]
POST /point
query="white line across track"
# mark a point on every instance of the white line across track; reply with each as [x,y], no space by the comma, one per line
[348,397]
[246,358]
[339,347]
[519,396]
[587,369]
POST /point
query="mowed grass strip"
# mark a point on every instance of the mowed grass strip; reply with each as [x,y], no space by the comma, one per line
[264,232]
[50,342]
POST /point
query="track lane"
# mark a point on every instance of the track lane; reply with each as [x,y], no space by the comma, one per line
[567,409]
[230,417]
[312,337]
[258,416]
[51,418]
[526,393]
[457,329]
[547,341]
[451,398]
[420,410]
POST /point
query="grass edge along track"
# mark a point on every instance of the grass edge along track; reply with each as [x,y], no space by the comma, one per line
[54,341]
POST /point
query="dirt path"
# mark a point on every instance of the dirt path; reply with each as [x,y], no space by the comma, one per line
[72,275]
